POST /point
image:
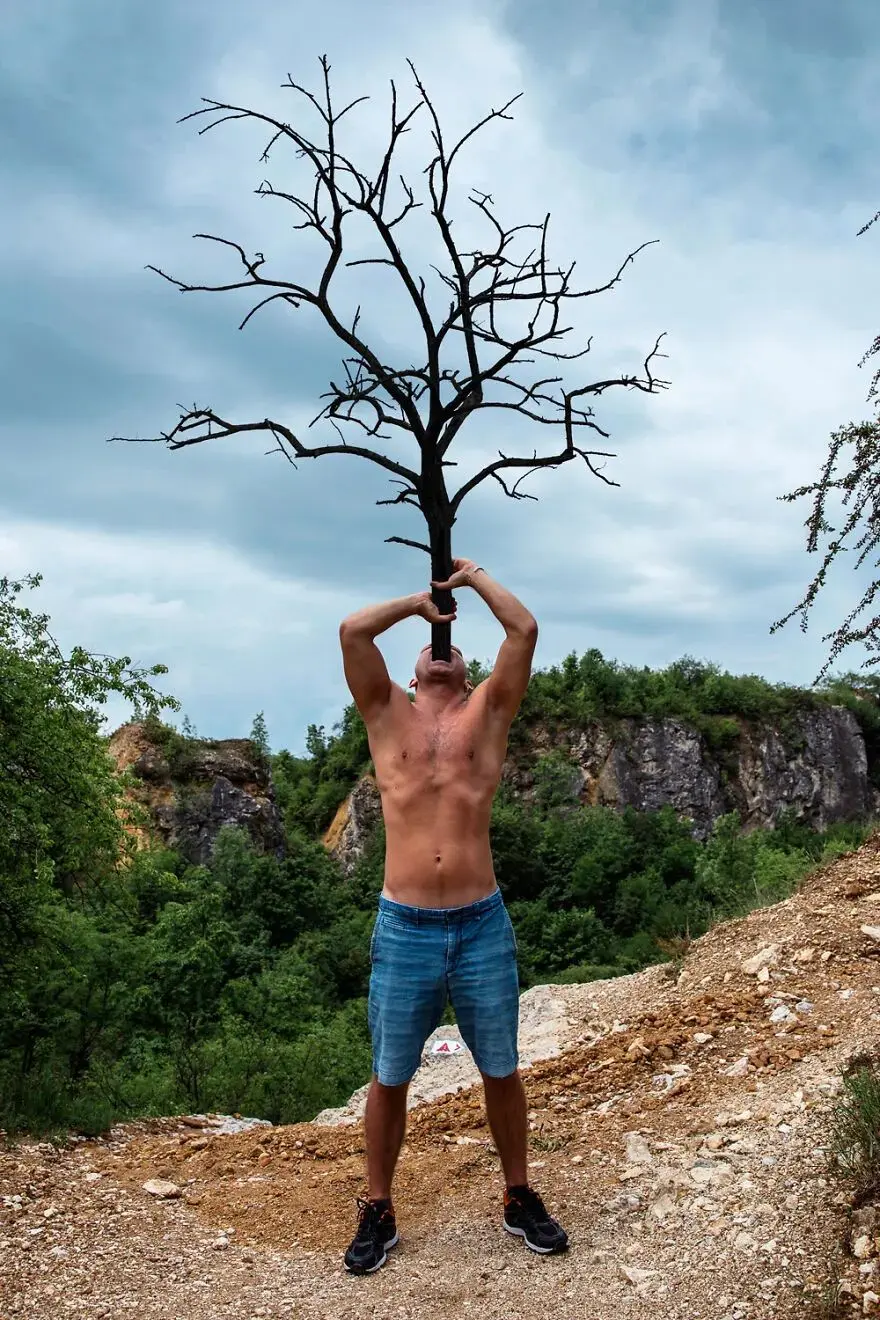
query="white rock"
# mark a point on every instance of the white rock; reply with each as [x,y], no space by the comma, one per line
[766,957]
[711,1175]
[91,1177]
[782,1014]
[872,932]
[162,1188]
[764,975]
[863,1247]
[636,1276]
[870,1303]
[804,1006]
[662,1206]
[637,1151]
[220,1243]
[703,1037]
[739,1068]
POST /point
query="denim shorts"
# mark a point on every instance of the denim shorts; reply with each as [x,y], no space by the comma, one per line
[423,956]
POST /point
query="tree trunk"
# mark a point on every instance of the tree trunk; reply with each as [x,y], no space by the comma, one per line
[441,570]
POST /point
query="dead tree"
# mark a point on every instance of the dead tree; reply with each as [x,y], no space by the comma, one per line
[502,316]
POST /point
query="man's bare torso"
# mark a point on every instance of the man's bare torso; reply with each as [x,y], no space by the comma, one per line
[437,775]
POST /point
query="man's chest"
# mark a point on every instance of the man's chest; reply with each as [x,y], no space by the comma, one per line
[463,747]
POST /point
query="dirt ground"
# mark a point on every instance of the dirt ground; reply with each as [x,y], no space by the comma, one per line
[681,1137]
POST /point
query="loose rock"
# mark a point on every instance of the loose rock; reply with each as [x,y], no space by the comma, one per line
[766,957]
[637,1151]
[161,1188]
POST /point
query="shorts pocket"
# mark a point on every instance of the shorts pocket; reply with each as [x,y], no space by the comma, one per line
[374,938]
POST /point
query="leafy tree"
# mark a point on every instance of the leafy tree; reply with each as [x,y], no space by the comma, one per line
[259,736]
[61,833]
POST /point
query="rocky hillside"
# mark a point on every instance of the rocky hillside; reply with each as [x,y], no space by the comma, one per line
[192,787]
[814,764]
[679,1126]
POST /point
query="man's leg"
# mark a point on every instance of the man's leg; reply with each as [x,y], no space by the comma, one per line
[385,1124]
[508,1122]
[485,994]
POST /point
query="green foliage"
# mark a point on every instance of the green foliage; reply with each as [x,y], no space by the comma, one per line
[259,737]
[61,837]
[590,688]
[557,781]
[310,788]
[132,983]
[855,1127]
[179,747]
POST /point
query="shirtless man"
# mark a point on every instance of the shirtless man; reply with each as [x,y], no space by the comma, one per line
[442,929]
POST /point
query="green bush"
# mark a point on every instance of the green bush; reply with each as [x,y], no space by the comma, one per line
[855,1127]
[132,983]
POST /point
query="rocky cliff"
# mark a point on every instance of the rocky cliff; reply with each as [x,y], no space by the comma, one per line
[353,824]
[191,788]
[814,766]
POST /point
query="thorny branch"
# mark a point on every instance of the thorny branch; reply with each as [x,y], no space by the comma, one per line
[847,492]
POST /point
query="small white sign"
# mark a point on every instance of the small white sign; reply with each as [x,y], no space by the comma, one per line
[446,1047]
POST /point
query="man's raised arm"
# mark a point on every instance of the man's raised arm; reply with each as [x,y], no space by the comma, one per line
[506,685]
[365,670]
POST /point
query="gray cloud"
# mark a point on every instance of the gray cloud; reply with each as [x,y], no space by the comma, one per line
[741,142]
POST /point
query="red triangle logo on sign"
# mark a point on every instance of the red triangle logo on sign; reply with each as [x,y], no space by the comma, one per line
[443,1049]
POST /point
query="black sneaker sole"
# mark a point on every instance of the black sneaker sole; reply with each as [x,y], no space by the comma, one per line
[542,1251]
[371,1269]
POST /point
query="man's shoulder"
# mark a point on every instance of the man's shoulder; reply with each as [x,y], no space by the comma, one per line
[395,711]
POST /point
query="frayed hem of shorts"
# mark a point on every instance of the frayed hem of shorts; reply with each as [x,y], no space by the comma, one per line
[401,1082]
[495,1073]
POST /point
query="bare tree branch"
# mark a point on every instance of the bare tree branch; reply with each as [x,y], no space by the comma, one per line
[197,425]
[504,309]
[402,540]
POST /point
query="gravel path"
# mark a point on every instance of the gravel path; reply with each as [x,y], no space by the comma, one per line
[681,1136]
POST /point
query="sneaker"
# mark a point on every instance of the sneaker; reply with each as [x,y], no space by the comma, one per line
[525,1216]
[376,1231]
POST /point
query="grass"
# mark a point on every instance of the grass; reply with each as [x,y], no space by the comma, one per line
[855,1128]
[549,1143]
[827,1304]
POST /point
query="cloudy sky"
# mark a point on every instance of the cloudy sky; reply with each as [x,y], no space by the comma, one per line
[743,136]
